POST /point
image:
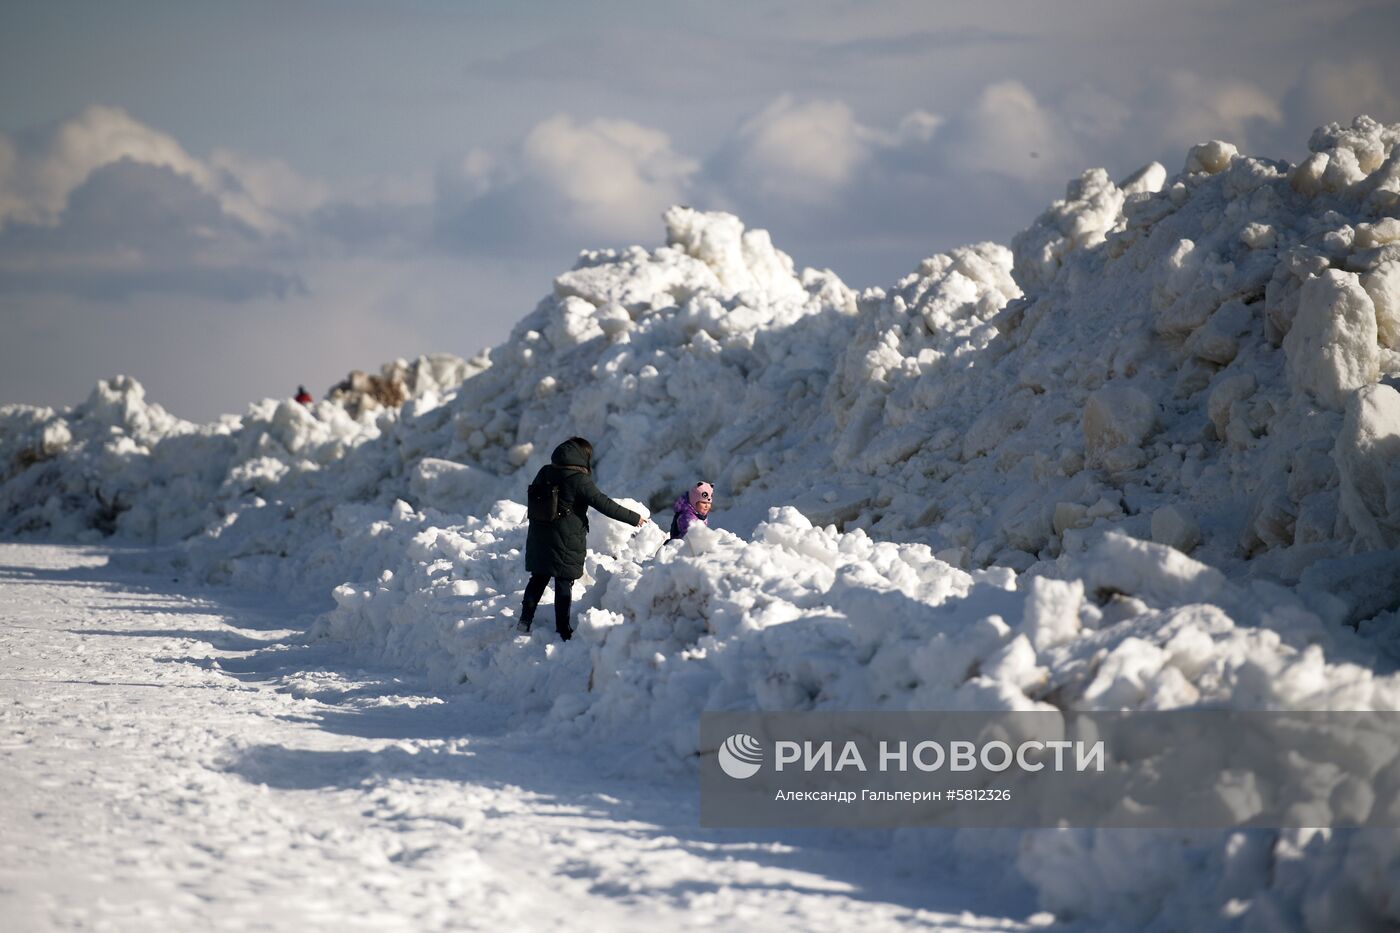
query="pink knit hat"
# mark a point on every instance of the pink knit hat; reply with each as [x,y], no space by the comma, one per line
[703,492]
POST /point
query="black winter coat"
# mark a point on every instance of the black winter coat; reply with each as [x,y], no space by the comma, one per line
[557,548]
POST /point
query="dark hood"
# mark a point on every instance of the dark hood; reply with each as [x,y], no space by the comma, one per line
[570,454]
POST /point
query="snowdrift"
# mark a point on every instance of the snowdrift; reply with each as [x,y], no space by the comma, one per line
[1147,457]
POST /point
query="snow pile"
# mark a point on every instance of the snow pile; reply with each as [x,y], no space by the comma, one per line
[976,490]
[1193,346]
[399,381]
[802,617]
[118,464]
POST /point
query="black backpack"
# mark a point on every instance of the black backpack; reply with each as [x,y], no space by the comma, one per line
[542,497]
[543,502]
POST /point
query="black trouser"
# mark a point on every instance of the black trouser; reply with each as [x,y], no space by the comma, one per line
[563,601]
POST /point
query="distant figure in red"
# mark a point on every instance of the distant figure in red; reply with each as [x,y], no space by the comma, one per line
[304,396]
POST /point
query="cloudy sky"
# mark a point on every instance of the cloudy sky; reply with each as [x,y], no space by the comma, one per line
[224,200]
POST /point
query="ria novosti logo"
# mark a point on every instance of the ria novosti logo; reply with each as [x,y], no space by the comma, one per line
[740,756]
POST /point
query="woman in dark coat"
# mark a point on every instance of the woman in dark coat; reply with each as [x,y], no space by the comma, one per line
[556,548]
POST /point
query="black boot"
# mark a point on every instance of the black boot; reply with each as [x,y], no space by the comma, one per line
[563,602]
[533,591]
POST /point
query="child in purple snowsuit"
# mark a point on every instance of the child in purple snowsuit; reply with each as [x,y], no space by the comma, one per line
[692,506]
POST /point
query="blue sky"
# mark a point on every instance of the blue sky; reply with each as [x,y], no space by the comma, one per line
[224,200]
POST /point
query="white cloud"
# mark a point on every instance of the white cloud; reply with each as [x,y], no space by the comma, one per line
[799,151]
[1337,91]
[611,176]
[38,176]
[1006,131]
[253,189]
[1192,108]
[105,206]
[566,183]
[133,227]
[476,172]
[917,126]
[1092,113]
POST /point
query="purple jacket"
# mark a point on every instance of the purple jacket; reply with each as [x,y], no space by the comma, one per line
[685,514]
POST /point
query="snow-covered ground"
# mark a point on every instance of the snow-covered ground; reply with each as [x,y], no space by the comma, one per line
[1147,456]
[174,761]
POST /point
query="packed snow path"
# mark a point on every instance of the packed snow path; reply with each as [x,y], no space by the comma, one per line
[172,761]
